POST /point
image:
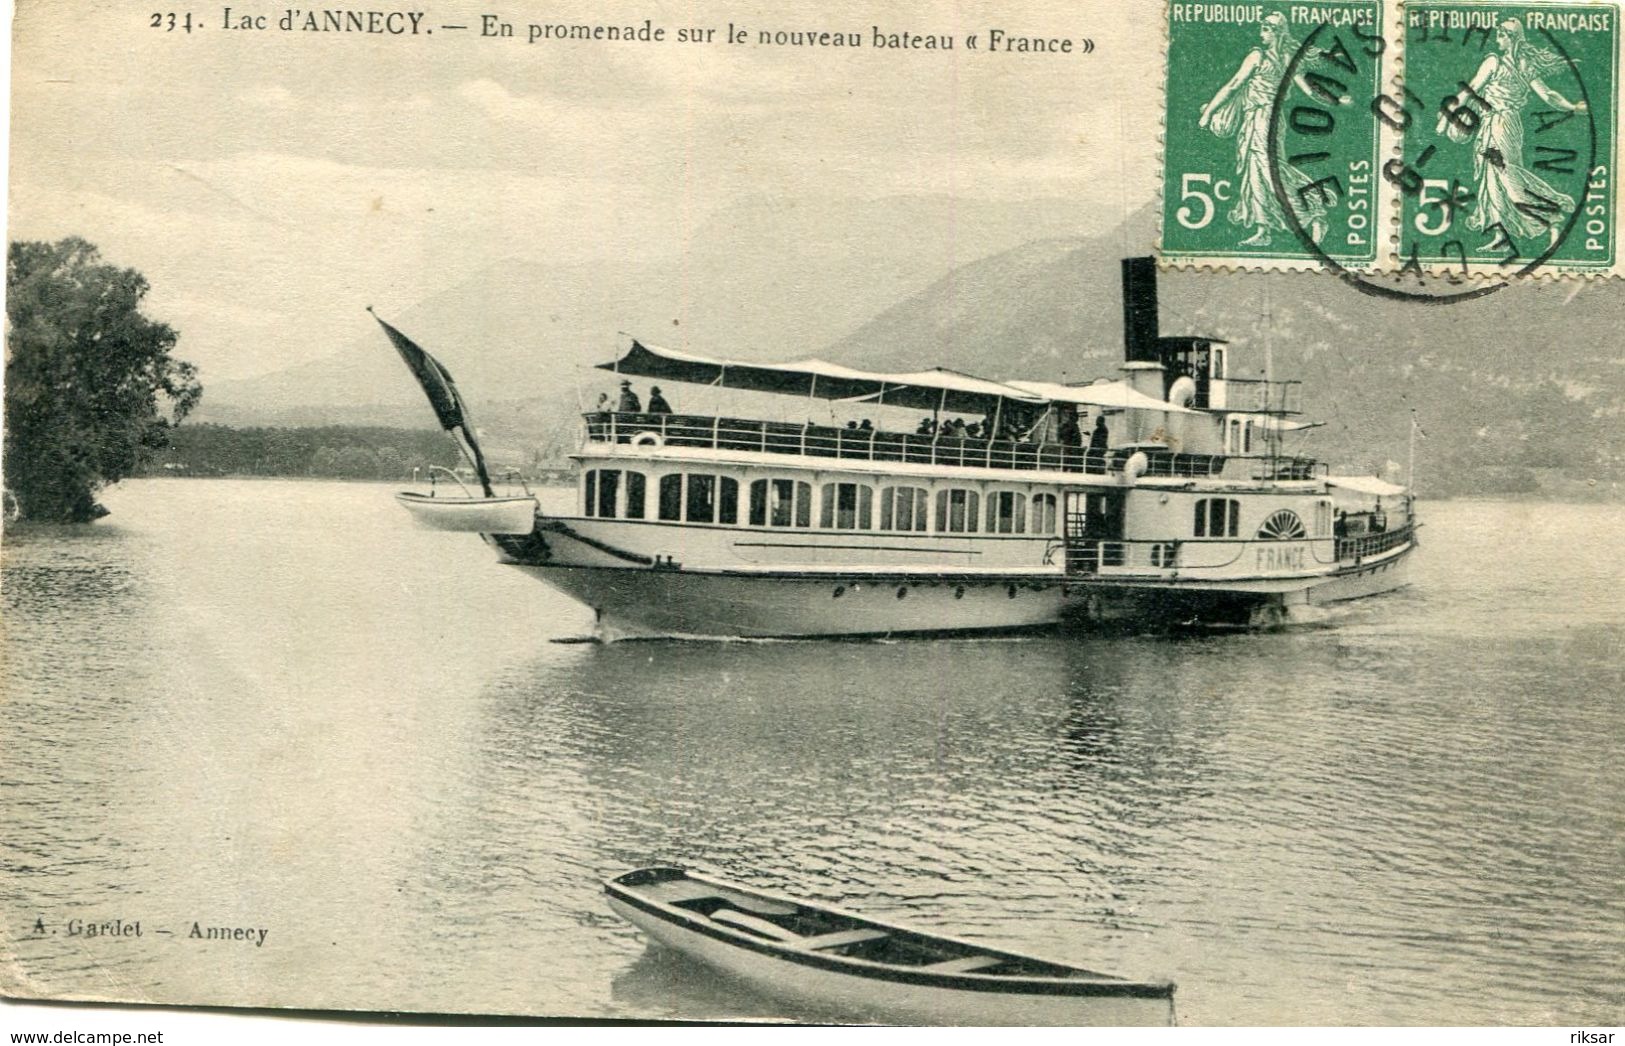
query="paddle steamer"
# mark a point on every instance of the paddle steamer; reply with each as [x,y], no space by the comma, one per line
[1163,495]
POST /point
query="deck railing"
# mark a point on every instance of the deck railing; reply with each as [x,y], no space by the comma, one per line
[823,441]
[1373,544]
[1089,555]
[1280,468]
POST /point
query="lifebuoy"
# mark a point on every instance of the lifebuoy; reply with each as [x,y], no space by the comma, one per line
[1182,393]
[648,439]
[1135,467]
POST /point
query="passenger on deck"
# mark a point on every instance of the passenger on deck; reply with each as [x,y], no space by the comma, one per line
[1341,527]
[657,402]
[852,425]
[603,402]
[1098,440]
[927,427]
[866,426]
[629,400]
[1068,430]
[1379,519]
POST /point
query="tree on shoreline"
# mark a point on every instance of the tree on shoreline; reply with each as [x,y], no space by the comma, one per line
[84,373]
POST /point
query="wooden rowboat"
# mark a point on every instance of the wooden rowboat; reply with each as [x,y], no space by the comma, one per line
[835,963]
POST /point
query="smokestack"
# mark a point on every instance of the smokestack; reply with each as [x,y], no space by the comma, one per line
[1140,310]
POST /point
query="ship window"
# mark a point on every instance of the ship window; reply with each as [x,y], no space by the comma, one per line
[902,508]
[1217,517]
[780,503]
[1044,517]
[956,511]
[847,506]
[634,495]
[756,512]
[728,505]
[590,500]
[701,502]
[1241,436]
[609,484]
[671,497]
[1282,526]
[1006,512]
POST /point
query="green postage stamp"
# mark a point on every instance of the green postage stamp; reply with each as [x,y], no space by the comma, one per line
[1456,137]
[1270,146]
[1509,161]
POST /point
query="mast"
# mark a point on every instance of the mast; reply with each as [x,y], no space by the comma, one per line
[1410,464]
[1272,434]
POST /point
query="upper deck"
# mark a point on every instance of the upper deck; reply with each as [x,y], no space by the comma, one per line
[937,449]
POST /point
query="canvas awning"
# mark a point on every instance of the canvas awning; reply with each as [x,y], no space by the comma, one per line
[1371,485]
[1110,394]
[920,390]
[1286,424]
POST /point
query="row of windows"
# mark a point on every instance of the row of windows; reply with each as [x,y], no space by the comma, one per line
[701,498]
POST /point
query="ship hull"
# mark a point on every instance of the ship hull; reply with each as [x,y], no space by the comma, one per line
[632,602]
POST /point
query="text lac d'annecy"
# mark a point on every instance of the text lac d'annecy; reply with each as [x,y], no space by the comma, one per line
[329,20]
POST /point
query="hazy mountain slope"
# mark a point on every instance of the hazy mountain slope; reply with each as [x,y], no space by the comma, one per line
[1515,390]
[1509,387]
[767,280]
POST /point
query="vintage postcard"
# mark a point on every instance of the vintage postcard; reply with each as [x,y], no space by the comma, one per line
[938,513]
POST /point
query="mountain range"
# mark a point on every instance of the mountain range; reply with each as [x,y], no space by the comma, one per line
[1519,391]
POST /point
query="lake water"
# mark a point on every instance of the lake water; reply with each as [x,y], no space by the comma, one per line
[278,705]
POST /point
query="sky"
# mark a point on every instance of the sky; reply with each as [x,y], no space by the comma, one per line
[269,183]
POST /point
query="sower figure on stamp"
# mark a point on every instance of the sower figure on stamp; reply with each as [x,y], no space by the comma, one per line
[1242,108]
[1509,194]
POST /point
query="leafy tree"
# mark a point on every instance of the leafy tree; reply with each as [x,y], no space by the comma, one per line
[84,373]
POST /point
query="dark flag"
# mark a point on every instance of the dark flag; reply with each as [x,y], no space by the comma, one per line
[448,406]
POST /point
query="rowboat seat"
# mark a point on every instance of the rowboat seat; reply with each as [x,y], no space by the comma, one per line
[679,890]
[761,906]
[746,921]
[840,938]
[964,964]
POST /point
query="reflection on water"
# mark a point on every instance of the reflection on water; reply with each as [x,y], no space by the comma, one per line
[276,704]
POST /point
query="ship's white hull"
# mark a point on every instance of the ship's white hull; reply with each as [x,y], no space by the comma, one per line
[648,602]
[640,602]
[1372,577]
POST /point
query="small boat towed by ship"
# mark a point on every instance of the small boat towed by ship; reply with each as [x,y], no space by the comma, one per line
[839,963]
[1179,507]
